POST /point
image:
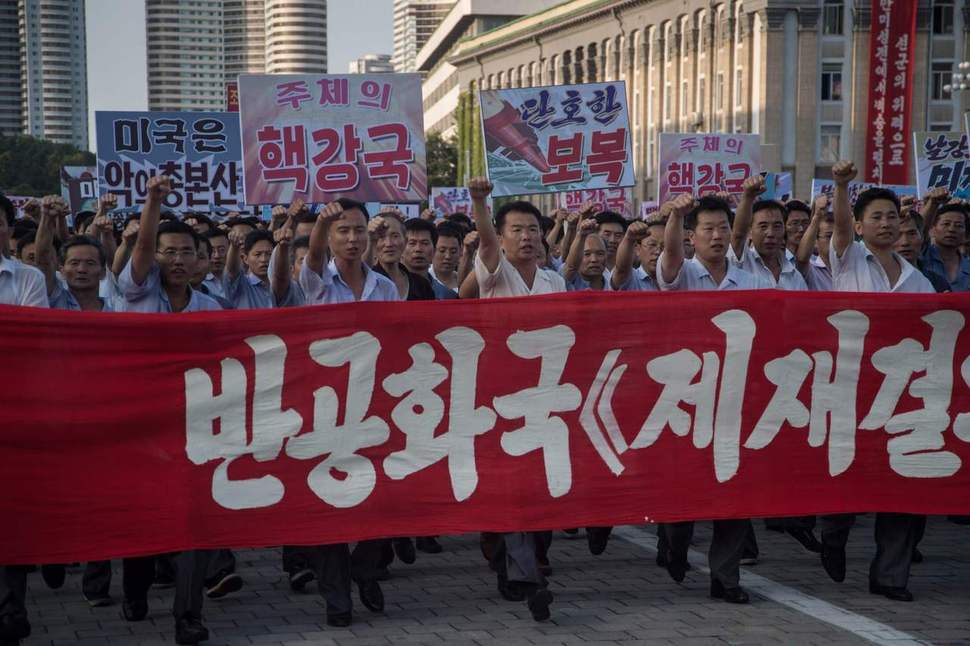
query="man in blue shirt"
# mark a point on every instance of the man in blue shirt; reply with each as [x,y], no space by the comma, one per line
[420,241]
[942,256]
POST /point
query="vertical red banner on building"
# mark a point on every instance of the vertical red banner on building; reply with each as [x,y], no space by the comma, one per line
[891,45]
[232,96]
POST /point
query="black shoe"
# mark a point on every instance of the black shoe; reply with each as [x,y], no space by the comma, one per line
[896,594]
[731,595]
[544,568]
[572,531]
[190,630]
[14,627]
[917,556]
[163,580]
[53,575]
[510,590]
[222,584]
[806,538]
[298,580]
[99,600]
[404,549]
[677,566]
[959,520]
[597,538]
[428,545]
[833,560]
[539,602]
[663,558]
[339,620]
[134,610]
[371,595]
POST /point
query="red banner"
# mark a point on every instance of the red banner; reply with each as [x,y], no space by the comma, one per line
[892,43]
[134,434]
[232,96]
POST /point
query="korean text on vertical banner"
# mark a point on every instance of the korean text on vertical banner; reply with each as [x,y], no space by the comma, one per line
[557,138]
[706,163]
[892,43]
[79,187]
[319,137]
[942,161]
[618,200]
[199,151]
[826,187]
[232,96]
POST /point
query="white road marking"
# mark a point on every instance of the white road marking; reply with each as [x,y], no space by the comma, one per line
[858,625]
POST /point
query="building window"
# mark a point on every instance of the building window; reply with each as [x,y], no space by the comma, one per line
[941,127]
[943,17]
[941,73]
[829,141]
[684,97]
[701,92]
[738,87]
[667,94]
[832,18]
[719,92]
[831,81]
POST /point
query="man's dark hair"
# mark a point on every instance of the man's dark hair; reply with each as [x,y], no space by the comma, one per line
[28,239]
[250,222]
[657,222]
[215,233]
[9,210]
[82,220]
[22,228]
[448,230]
[955,208]
[175,227]
[83,241]
[131,217]
[867,197]
[915,218]
[546,224]
[168,216]
[202,244]
[304,217]
[462,220]
[303,242]
[417,224]
[519,206]
[349,204]
[796,205]
[765,205]
[611,217]
[257,236]
[708,203]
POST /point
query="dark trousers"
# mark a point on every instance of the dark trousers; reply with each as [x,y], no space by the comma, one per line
[137,575]
[190,574]
[13,596]
[724,555]
[221,563]
[297,558]
[336,567]
[515,558]
[750,549]
[896,537]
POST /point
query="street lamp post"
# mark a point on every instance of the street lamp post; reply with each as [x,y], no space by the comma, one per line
[960,82]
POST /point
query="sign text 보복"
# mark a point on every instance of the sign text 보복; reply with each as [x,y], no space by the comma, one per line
[557,138]
[706,163]
[200,151]
[320,137]
[942,161]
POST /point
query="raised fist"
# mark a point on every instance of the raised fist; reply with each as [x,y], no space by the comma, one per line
[681,205]
[480,188]
[587,227]
[107,203]
[283,236]
[429,215]
[55,206]
[296,207]
[159,186]
[131,231]
[844,172]
[377,227]
[573,218]
[331,213]
[754,186]
[471,241]
[102,223]
[938,195]
[237,238]
[821,204]
[638,230]
[587,209]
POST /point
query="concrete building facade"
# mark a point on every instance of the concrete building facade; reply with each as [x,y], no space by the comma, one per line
[53,70]
[414,22]
[296,37]
[243,37]
[371,64]
[11,95]
[185,54]
[793,71]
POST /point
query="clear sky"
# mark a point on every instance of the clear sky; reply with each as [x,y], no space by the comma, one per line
[117,60]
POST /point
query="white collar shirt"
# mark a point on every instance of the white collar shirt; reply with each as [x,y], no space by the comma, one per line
[62,299]
[21,284]
[858,270]
[150,297]
[507,281]
[694,276]
[819,276]
[329,286]
[639,281]
[751,261]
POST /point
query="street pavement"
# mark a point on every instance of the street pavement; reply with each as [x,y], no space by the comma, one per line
[620,597]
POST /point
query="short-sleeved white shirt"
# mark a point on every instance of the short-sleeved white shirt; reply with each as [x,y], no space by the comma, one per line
[506,281]
[21,284]
[751,262]
[858,270]
[638,281]
[694,277]
[151,297]
[819,276]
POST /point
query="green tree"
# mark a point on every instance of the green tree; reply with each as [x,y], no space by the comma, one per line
[31,166]
[442,161]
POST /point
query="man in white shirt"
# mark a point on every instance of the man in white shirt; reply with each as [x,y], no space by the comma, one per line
[764,222]
[645,241]
[812,257]
[506,266]
[871,265]
[585,267]
[708,222]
